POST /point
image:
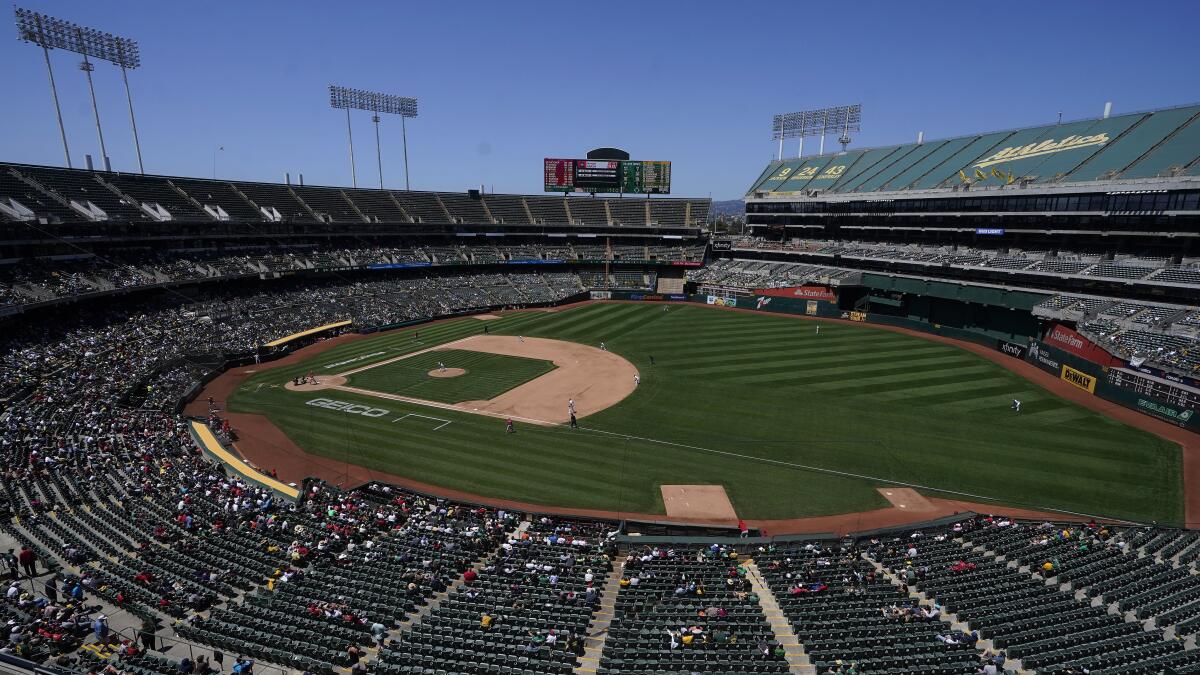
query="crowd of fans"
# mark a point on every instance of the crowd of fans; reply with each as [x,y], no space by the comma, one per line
[25,281]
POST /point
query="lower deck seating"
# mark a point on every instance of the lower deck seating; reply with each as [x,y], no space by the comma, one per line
[689,610]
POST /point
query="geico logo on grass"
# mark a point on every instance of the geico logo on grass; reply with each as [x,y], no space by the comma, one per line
[350,408]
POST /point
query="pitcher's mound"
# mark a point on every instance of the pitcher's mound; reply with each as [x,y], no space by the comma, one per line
[448,372]
[697,502]
[908,499]
[323,382]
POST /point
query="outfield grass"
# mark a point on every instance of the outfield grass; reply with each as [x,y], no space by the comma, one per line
[487,376]
[747,400]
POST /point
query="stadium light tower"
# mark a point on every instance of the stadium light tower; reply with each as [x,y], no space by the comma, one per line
[49,33]
[376,103]
[819,122]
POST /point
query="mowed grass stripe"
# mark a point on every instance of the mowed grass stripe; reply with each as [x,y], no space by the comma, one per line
[858,366]
[746,350]
[898,382]
[769,367]
[852,370]
[582,321]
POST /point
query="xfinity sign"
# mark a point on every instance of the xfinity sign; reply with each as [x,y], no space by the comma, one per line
[348,408]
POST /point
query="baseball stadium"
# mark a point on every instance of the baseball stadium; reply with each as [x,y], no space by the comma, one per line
[911,407]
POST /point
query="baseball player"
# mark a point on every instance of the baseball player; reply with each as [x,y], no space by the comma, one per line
[1016,405]
[574,424]
[818,329]
[603,348]
[441,367]
[651,359]
[520,338]
[571,406]
[508,426]
[637,379]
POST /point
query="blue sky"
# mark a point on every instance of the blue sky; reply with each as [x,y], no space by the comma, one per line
[504,84]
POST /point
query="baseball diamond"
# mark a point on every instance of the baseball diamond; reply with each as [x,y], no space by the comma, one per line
[758,403]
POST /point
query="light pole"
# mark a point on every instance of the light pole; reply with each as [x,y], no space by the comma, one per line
[49,33]
[350,135]
[378,150]
[375,103]
[87,68]
[816,123]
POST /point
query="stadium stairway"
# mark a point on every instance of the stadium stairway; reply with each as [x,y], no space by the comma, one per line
[436,600]
[120,621]
[794,651]
[601,618]
[1012,666]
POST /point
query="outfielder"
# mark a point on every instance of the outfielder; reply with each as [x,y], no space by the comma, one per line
[1016,405]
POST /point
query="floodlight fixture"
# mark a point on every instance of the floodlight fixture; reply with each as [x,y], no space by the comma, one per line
[375,103]
[50,32]
[819,122]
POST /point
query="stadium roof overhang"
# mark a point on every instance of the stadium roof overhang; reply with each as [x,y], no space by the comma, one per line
[1081,187]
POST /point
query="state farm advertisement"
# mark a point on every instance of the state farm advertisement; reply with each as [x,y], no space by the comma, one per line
[1069,341]
[802,292]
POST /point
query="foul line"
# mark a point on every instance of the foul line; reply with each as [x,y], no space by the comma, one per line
[441,406]
[401,357]
[767,460]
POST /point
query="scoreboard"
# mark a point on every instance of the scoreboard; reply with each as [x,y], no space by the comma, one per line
[1175,394]
[607,175]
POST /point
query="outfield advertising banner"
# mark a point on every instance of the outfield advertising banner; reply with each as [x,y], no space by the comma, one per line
[654,297]
[1043,356]
[1167,411]
[720,302]
[1078,378]
[1068,340]
[1011,348]
[722,244]
[1180,417]
[805,292]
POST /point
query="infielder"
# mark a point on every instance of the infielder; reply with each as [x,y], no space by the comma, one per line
[603,348]
[441,367]
[571,406]
[637,379]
